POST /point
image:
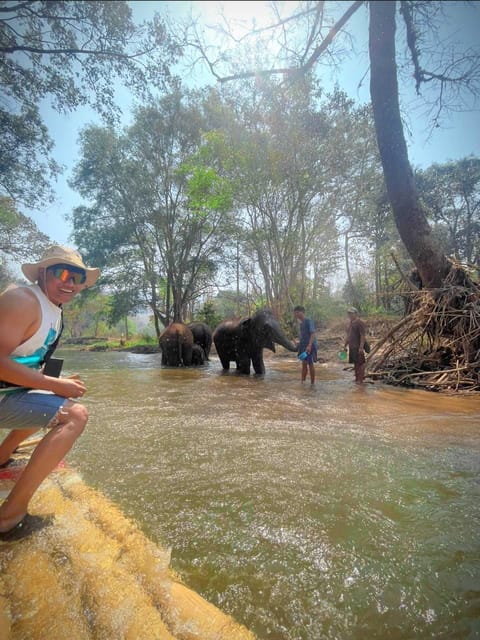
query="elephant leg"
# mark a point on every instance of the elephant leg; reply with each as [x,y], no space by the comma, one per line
[187,355]
[243,365]
[258,365]
[225,363]
[207,349]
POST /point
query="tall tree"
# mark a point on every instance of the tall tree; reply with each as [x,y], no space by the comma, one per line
[157,214]
[409,215]
[284,140]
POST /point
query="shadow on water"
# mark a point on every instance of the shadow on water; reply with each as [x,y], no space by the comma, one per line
[336,511]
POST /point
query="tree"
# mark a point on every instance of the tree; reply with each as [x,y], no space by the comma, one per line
[451,196]
[20,239]
[453,72]
[283,151]
[409,215]
[85,314]
[158,214]
[70,54]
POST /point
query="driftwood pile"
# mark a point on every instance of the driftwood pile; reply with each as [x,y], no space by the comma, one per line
[437,346]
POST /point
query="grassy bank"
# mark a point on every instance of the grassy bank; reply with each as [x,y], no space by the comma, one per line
[88,343]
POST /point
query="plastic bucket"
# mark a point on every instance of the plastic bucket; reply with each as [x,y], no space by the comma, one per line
[303,355]
[342,355]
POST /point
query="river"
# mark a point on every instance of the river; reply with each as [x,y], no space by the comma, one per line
[338,511]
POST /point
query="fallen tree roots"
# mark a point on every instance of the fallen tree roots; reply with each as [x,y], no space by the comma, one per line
[437,346]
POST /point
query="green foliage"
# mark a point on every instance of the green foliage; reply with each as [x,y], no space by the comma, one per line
[20,239]
[148,338]
[121,304]
[68,54]
[158,222]
[209,315]
[206,190]
[361,294]
[86,314]
[450,193]
[228,304]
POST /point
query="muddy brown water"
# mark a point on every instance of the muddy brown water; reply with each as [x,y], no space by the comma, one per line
[336,511]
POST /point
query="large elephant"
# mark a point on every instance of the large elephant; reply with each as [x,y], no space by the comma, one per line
[202,335]
[176,343]
[243,340]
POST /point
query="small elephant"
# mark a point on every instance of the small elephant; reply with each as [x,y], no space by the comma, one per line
[198,355]
[202,335]
[243,341]
[176,343]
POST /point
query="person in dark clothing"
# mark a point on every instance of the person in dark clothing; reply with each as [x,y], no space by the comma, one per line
[355,341]
[307,343]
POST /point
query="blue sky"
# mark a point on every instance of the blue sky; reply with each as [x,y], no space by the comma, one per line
[458,137]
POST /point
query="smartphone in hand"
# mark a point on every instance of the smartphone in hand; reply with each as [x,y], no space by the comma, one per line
[53,367]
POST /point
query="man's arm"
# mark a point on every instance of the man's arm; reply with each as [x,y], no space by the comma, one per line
[311,337]
[20,317]
[362,331]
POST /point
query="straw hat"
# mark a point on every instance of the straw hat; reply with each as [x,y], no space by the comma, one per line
[57,254]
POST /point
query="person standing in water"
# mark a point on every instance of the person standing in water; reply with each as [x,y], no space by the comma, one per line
[30,325]
[307,343]
[355,341]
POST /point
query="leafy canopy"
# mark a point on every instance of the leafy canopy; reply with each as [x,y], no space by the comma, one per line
[67,54]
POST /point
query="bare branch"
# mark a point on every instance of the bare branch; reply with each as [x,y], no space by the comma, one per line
[332,33]
[294,71]
[412,43]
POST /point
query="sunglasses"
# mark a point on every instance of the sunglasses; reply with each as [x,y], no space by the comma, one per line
[65,272]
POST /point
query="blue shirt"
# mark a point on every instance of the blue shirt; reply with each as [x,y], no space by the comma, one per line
[307,327]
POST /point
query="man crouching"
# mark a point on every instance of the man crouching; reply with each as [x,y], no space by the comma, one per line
[30,325]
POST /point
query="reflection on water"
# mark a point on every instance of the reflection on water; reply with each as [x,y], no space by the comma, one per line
[307,513]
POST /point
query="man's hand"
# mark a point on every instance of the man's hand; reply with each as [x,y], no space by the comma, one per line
[69,387]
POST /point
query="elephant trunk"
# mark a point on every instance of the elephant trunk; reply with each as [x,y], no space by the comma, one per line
[280,338]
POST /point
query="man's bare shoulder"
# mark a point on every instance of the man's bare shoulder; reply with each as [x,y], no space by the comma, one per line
[18,299]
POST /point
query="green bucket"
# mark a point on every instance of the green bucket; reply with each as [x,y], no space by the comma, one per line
[342,355]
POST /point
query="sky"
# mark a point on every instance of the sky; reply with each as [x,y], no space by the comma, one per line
[459,136]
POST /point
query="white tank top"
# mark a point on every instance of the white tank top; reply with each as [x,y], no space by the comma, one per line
[50,326]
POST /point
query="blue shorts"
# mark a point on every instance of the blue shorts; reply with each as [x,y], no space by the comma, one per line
[28,409]
[312,356]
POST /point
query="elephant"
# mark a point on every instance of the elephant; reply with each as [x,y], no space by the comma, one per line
[176,343]
[202,335]
[244,339]
[198,355]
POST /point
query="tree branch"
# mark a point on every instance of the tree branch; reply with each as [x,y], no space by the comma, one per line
[332,33]
[412,43]
[313,58]
[73,51]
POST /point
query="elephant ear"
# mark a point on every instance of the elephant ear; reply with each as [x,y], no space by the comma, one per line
[245,326]
[245,323]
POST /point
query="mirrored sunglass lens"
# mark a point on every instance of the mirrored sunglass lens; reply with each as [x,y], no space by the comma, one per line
[64,275]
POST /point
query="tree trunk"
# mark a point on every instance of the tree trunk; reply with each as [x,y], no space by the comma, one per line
[409,215]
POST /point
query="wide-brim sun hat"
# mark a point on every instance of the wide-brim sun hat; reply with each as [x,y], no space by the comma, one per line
[56,254]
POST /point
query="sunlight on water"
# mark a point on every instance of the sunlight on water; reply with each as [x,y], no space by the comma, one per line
[306,513]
